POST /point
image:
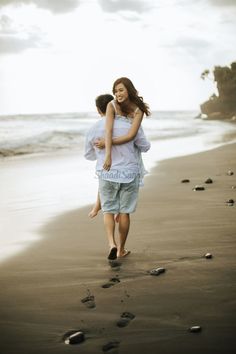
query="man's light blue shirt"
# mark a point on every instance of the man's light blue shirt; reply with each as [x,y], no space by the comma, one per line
[125,157]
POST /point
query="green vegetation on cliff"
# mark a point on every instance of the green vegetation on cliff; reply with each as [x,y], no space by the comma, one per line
[223,105]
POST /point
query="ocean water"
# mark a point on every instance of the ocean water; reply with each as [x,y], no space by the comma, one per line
[43,172]
[48,133]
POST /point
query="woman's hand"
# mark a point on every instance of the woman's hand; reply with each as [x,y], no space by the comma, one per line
[100,143]
[107,163]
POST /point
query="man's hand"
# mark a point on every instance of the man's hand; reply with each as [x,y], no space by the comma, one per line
[100,143]
[107,163]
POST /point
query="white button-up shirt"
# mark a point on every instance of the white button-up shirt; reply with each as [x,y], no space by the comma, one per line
[125,157]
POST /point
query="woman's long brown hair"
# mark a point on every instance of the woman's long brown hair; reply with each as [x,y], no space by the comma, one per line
[133,96]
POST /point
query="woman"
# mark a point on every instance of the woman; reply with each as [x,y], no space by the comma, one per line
[127,105]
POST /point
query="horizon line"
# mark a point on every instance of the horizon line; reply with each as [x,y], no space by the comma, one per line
[93,111]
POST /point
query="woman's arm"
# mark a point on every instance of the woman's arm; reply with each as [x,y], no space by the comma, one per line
[108,135]
[137,120]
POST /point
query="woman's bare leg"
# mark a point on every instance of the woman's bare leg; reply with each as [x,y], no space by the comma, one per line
[96,208]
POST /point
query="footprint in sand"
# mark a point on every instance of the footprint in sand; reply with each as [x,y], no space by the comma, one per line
[115,264]
[112,282]
[126,295]
[125,319]
[89,301]
[110,346]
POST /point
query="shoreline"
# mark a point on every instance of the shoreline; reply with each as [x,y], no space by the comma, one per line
[173,227]
[44,195]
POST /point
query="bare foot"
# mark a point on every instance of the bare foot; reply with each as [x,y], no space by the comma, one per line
[113,253]
[123,253]
[93,213]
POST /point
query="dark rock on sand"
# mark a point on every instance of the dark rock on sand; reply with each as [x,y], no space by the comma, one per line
[230,202]
[111,345]
[195,329]
[185,181]
[157,271]
[208,181]
[230,173]
[74,337]
[126,317]
[208,256]
[198,188]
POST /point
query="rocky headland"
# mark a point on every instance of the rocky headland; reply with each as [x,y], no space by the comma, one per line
[223,105]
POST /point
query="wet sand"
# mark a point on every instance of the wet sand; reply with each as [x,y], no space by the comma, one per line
[173,227]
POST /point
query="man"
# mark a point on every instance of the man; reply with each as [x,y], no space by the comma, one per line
[118,187]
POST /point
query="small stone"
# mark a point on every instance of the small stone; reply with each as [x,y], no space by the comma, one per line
[75,338]
[157,271]
[198,188]
[195,329]
[208,181]
[230,202]
[233,187]
[185,181]
[230,173]
[208,256]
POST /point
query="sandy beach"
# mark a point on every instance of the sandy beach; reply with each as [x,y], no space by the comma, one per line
[173,227]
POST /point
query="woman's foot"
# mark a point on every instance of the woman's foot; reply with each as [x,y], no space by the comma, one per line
[123,253]
[93,212]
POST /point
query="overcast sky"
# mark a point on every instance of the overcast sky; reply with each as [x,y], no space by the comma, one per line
[57,56]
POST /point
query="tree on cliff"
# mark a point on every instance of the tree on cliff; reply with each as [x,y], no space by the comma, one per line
[225,103]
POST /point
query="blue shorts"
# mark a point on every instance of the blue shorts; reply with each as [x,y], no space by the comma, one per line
[118,197]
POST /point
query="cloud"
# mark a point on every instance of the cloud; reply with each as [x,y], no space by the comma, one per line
[196,47]
[126,5]
[15,44]
[223,2]
[6,25]
[14,38]
[189,42]
[55,6]
[131,17]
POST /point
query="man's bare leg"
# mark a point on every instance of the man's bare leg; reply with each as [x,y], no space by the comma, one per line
[124,223]
[109,224]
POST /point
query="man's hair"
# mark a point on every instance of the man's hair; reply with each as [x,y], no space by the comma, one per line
[102,102]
